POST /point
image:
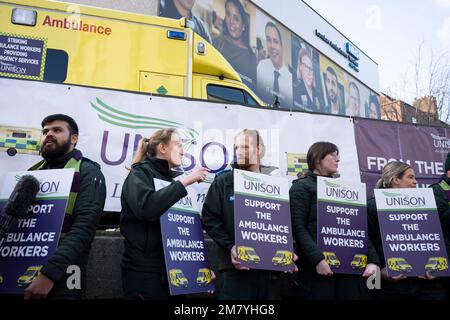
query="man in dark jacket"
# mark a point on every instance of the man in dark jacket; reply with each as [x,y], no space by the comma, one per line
[237,282]
[441,192]
[86,202]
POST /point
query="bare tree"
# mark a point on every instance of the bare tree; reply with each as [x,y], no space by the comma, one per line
[432,83]
[428,81]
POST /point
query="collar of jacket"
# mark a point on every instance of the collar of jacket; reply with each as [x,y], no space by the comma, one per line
[162,166]
[313,175]
[446,179]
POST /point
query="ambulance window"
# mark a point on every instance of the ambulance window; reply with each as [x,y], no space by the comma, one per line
[225,94]
[19,135]
[250,100]
[56,65]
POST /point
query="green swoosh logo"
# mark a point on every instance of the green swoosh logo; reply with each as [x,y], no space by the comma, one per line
[248,178]
[392,194]
[331,185]
[119,118]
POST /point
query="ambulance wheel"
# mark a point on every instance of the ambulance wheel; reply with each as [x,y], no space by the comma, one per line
[11,152]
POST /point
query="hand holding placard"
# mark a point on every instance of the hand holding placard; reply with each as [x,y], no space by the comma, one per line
[234,260]
[39,288]
[370,270]
[323,269]
[385,276]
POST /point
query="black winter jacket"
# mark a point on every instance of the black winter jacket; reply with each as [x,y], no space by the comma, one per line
[442,204]
[218,216]
[443,209]
[74,248]
[142,206]
[374,230]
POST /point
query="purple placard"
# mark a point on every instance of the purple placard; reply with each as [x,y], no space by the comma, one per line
[405,250]
[22,57]
[263,234]
[342,236]
[29,242]
[378,142]
[187,265]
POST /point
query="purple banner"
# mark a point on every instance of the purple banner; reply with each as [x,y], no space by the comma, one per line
[378,143]
[342,236]
[263,234]
[22,57]
[413,243]
[28,244]
[187,265]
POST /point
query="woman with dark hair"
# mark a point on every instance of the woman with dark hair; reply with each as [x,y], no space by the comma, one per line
[234,43]
[398,175]
[143,264]
[316,281]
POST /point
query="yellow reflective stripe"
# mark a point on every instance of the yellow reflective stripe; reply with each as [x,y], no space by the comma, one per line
[444,185]
[39,165]
[74,164]
[71,202]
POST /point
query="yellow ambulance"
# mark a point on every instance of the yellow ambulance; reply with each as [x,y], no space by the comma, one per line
[203,277]
[359,261]
[436,264]
[283,258]
[332,260]
[29,275]
[399,265]
[248,254]
[177,278]
[19,140]
[96,47]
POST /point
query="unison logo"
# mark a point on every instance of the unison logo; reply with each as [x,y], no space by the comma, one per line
[45,187]
[255,184]
[399,199]
[440,142]
[8,67]
[186,202]
[337,191]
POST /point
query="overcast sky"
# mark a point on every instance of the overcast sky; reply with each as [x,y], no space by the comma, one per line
[390,32]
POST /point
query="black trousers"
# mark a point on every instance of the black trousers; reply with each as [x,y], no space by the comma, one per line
[411,289]
[250,285]
[311,286]
[145,285]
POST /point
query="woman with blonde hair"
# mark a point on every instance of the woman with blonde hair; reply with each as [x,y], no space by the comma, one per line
[399,175]
[143,264]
